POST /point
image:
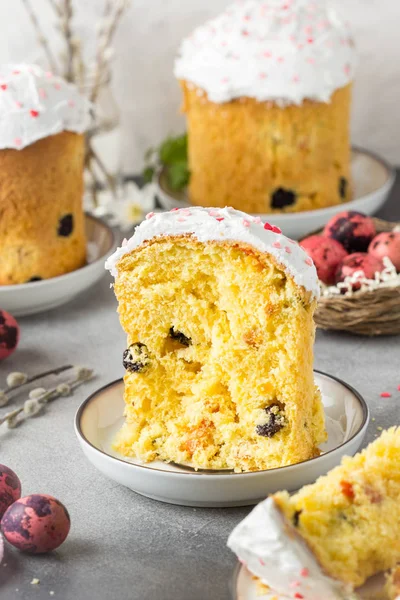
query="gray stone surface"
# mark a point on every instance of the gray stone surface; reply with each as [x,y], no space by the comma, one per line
[123,546]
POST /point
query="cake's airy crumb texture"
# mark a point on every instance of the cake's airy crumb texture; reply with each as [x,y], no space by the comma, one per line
[219,359]
[263,158]
[42,228]
[350,518]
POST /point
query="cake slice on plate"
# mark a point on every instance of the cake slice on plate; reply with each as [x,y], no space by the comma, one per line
[218,308]
[330,537]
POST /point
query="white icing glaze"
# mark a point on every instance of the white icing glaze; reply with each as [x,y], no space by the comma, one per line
[282,561]
[35,104]
[279,50]
[224,224]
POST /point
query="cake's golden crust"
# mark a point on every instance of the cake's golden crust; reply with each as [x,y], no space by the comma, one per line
[350,518]
[39,185]
[241,152]
[250,332]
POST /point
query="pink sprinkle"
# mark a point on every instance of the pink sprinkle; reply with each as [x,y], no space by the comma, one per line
[276,229]
[245,32]
[268,227]
[57,86]
[311,60]
[263,76]
[124,242]
[220,218]
[296,78]
[34,113]
[49,74]
[280,59]
[262,563]
[213,213]
[3,86]
[398,388]
[347,69]
[18,141]
[71,103]
[257,220]
[173,209]
[246,223]
[310,40]
[305,572]
[288,250]
[150,215]
[386,395]
[247,18]
[267,54]
[181,219]
[18,104]
[16,72]
[309,262]
[295,584]
[42,93]
[298,595]
[277,245]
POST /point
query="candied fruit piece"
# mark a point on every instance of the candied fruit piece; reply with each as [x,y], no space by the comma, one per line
[347,489]
[275,421]
[66,225]
[136,358]
[343,187]
[296,517]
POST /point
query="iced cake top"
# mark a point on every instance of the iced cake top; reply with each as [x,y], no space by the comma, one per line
[284,51]
[35,104]
[268,546]
[224,224]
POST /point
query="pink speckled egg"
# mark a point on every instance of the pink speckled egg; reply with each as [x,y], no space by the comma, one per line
[352,229]
[326,253]
[36,524]
[360,261]
[10,488]
[9,334]
[387,244]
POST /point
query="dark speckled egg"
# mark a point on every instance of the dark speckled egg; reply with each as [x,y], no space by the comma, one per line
[9,334]
[36,524]
[10,488]
[352,229]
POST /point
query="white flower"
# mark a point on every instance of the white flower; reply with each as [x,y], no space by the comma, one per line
[132,205]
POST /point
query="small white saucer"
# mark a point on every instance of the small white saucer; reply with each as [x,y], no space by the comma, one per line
[245,587]
[373,179]
[37,296]
[100,417]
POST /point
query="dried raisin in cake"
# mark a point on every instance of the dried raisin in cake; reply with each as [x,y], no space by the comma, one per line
[327,539]
[218,309]
[42,119]
[267,93]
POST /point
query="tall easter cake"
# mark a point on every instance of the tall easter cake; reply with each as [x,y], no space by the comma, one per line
[218,309]
[326,540]
[42,119]
[267,93]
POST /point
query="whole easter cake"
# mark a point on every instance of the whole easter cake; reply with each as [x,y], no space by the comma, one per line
[267,94]
[327,539]
[218,308]
[42,120]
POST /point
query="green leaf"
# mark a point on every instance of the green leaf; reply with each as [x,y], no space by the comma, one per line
[174,150]
[148,174]
[178,175]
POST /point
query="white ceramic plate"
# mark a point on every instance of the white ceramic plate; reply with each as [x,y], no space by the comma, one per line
[373,179]
[245,587]
[37,296]
[100,417]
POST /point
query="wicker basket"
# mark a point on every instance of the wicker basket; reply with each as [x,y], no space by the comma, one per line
[364,313]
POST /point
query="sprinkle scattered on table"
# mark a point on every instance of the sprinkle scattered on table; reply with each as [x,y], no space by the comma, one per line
[35,581]
[386,395]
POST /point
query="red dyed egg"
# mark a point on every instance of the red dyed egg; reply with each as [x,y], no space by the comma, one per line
[36,524]
[352,229]
[366,264]
[387,244]
[326,253]
[9,334]
[10,488]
